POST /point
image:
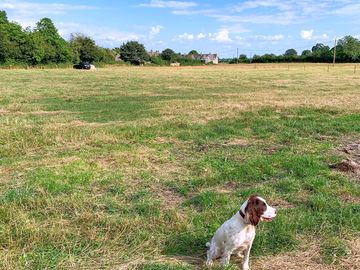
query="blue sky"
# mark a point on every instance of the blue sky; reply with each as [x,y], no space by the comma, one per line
[255,27]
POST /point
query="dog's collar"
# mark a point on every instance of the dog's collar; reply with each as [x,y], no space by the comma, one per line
[242,214]
[243,217]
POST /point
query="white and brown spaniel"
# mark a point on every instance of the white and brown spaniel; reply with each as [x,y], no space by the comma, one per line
[237,234]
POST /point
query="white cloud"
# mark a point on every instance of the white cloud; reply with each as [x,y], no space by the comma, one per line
[269,38]
[253,4]
[201,36]
[276,12]
[222,36]
[155,30]
[169,4]
[27,7]
[184,37]
[347,10]
[107,37]
[307,34]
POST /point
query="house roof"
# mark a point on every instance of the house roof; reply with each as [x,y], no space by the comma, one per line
[209,56]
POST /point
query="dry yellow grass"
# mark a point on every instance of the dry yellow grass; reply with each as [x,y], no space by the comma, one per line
[137,166]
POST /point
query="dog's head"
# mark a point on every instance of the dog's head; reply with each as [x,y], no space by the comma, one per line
[256,209]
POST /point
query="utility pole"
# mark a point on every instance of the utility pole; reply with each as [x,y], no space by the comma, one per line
[334,60]
[237,56]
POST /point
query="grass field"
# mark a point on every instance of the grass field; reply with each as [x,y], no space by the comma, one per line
[136,167]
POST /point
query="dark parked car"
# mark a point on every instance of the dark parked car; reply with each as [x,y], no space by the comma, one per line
[82,65]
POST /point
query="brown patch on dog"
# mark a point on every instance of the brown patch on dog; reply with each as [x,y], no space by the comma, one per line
[254,209]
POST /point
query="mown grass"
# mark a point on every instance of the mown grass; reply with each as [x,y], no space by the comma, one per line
[137,167]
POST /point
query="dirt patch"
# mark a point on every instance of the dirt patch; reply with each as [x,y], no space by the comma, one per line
[169,199]
[282,204]
[163,140]
[309,258]
[236,142]
[351,164]
[4,111]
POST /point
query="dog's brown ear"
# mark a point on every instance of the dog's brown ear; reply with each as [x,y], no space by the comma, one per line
[251,210]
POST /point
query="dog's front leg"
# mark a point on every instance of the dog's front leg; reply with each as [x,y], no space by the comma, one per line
[225,259]
[247,257]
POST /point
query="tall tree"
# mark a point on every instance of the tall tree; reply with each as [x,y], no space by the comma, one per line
[350,47]
[192,52]
[291,53]
[3,17]
[167,54]
[14,42]
[84,48]
[321,53]
[306,53]
[55,48]
[133,52]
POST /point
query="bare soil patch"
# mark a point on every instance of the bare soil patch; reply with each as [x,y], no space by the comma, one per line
[235,142]
[351,164]
[309,258]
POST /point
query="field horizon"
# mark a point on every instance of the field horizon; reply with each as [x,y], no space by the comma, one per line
[136,167]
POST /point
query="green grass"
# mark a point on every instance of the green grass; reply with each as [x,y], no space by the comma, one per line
[139,166]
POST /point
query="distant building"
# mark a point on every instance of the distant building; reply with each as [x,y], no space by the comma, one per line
[207,58]
[153,53]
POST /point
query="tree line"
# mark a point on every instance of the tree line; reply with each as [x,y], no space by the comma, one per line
[347,50]
[135,53]
[43,45]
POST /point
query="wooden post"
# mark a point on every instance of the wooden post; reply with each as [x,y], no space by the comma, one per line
[237,56]
[328,67]
[334,60]
[355,69]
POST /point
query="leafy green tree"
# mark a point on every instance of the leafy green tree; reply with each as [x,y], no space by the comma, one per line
[243,58]
[192,52]
[84,48]
[350,47]
[3,17]
[56,49]
[321,53]
[168,54]
[319,47]
[15,44]
[306,53]
[291,53]
[133,52]
[106,55]
[116,50]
